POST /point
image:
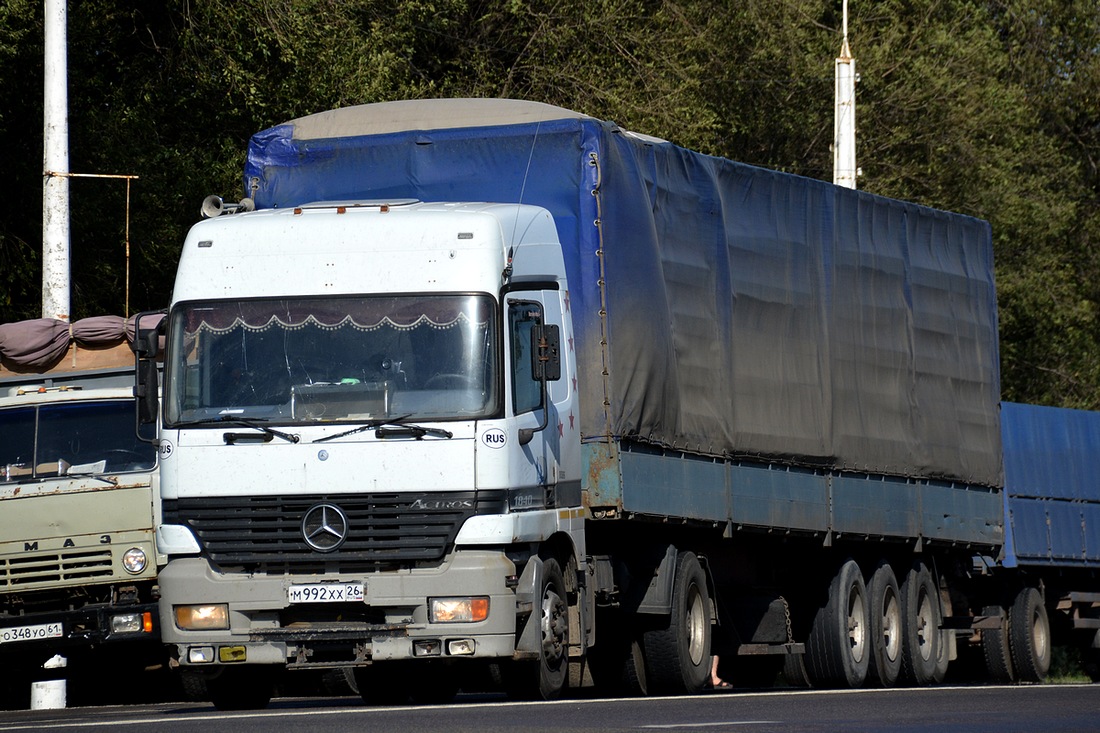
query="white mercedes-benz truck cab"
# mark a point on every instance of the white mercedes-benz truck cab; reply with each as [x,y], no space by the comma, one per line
[369,448]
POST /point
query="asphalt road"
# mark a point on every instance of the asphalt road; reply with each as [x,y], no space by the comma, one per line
[1024,709]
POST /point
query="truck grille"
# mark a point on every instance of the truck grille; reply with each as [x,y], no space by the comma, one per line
[55,567]
[264,533]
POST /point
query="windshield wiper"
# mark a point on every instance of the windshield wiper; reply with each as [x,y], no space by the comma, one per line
[371,425]
[253,423]
[411,431]
[105,479]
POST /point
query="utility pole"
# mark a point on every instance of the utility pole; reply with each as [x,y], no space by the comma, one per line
[55,160]
[844,115]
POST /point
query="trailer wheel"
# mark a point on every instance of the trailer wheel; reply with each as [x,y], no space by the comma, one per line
[884,666]
[678,656]
[998,659]
[1029,636]
[920,625]
[242,688]
[838,648]
[794,671]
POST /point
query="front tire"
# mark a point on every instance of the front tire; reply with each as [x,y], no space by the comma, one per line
[678,656]
[242,688]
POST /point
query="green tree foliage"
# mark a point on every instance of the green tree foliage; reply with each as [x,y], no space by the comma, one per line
[988,108]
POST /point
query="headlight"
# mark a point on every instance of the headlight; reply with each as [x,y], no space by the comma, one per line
[201,618]
[134,560]
[126,623]
[458,610]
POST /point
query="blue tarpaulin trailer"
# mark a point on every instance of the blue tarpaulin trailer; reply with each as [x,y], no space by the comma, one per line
[1052,486]
[835,351]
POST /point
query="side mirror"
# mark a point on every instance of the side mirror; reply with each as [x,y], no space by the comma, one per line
[146,391]
[545,353]
[545,367]
[146,348]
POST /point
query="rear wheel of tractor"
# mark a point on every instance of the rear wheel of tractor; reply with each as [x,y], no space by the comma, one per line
[678,656]
[242,688]
[617,661]
[635,682]
[995,648]
[1029,636]
[920,626]
[885,601]
[838,649]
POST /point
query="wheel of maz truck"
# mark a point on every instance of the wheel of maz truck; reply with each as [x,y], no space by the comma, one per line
[920,617]
[1029,636]
[678,655]
[248,687]
[838,650]
[884,666]
[995,649]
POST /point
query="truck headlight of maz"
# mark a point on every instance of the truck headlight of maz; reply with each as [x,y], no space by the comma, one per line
[134,560]
[131,623]
[458,610]
[202,618]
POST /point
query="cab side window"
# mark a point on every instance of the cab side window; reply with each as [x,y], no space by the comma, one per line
[523,316]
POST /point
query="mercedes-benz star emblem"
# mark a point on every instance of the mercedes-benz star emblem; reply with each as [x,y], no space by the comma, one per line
[324,527]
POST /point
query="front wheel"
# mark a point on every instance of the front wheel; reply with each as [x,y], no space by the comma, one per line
[242,688]
[678,655]
[552,666]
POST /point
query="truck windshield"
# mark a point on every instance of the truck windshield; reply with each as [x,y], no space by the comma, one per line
[342,359]
[71,439]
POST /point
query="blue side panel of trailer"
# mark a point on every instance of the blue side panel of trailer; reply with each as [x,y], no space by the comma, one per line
[1052,486]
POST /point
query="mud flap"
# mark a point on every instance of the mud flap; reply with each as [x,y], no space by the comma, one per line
[529,602]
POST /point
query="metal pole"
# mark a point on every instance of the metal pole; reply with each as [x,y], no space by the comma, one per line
[844,115]
[66,176]
[55,189]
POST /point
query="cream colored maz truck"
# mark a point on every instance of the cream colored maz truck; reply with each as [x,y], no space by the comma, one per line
[78,503]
